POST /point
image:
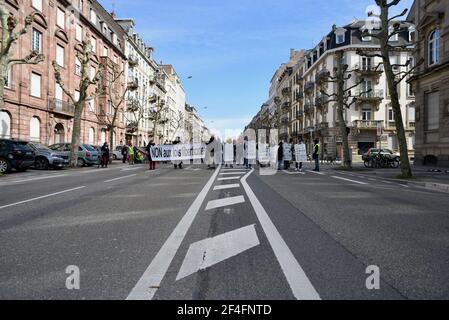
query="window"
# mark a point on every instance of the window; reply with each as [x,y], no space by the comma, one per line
[105,52]
[58,92]
[35,129]
[433,111]
[60,18]
[79,33]
[37,4]
[80,4]
[395,37]
[391,117]
[36,41]
[93,16]
[35,85]
[77,95]
[5,125]
[8,79]
[434,47]
[94,44]
[91,136]
[367,63]
[77,66]
[367,114]
[60,55]
[92,72]
[92,105]
[411,113]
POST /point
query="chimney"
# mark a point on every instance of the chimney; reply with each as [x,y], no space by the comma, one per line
[292,53]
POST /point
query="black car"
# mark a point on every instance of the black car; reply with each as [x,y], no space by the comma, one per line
[15,154]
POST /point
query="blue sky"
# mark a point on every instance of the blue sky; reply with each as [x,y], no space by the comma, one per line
[231,48]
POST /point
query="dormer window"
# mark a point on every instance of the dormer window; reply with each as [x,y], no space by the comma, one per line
[395,37]
[340,36]
[411,33]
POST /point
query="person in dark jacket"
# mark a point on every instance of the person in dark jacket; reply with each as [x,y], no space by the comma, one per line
[280,155]
[125,153]
[105,155]
[316,154]
[152,164]
[177,163]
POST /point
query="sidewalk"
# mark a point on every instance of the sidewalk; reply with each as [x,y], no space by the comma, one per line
[431,178]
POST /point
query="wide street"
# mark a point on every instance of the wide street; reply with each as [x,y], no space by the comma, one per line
[220,234]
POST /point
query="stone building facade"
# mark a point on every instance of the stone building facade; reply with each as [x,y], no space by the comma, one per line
[431,81]
[35,107]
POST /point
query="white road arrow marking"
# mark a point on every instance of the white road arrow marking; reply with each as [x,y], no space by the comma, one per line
[208,252]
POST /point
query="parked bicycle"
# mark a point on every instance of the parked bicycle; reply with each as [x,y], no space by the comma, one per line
[381,161]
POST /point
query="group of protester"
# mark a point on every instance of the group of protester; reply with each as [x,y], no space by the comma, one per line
[284,161]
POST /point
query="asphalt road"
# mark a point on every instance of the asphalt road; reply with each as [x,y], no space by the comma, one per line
[219,234]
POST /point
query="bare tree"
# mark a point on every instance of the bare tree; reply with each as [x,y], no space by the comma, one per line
[8,37]
[344,99]
[117,102]
[388,29]
[84,54]
[177,123]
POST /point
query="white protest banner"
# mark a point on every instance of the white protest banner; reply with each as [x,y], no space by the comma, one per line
[288,156]
[240,154]
[301,153]
[178,152]
[252,150]
[229,152]
[264,153]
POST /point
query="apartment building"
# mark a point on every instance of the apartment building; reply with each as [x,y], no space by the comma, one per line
[312,116]
[142,70]
[35,107]
[176,101]
[431,81]
[194,126]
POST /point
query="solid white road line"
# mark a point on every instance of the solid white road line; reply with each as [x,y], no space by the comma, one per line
[349,180]
[228,178]
[300,284]
[316,172]
[206,253]
[41,178]
[146,287]
[226,202]
[243,169]
[226,186]
[120,178]
[231,173]
[42,197]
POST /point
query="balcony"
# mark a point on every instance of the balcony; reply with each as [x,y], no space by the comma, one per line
[299,95]
[322,126]
[299,80]
[373,96]
[133,84]
[132,105]
[300,114]
[308,107]
[321,101]
[309,87]
[368,70]
[286,92]
[277,100]
[322,76]
[61,107]
[366,124]
[285,121]
[286,106]
[133,61]
[132,126]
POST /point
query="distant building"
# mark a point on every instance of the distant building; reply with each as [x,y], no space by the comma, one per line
[431,81]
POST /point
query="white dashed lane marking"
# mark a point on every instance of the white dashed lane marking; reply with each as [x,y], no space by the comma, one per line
[226,186]
[214,204]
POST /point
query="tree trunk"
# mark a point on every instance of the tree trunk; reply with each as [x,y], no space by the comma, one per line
[76,133]
[406,169]
[347,163]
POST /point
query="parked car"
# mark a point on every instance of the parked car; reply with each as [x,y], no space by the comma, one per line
[45,158]
[87,156]
[386,152]
[15,154]
[117,153]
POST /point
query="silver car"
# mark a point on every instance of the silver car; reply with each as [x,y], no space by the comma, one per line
[47,158]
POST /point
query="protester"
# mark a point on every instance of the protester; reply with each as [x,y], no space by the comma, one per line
[152,164]
[130,154]
[280,155]
[105,155]
[125,153]
[211,153]
[177,163]
[248,164]
[300,157]
[316,154]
